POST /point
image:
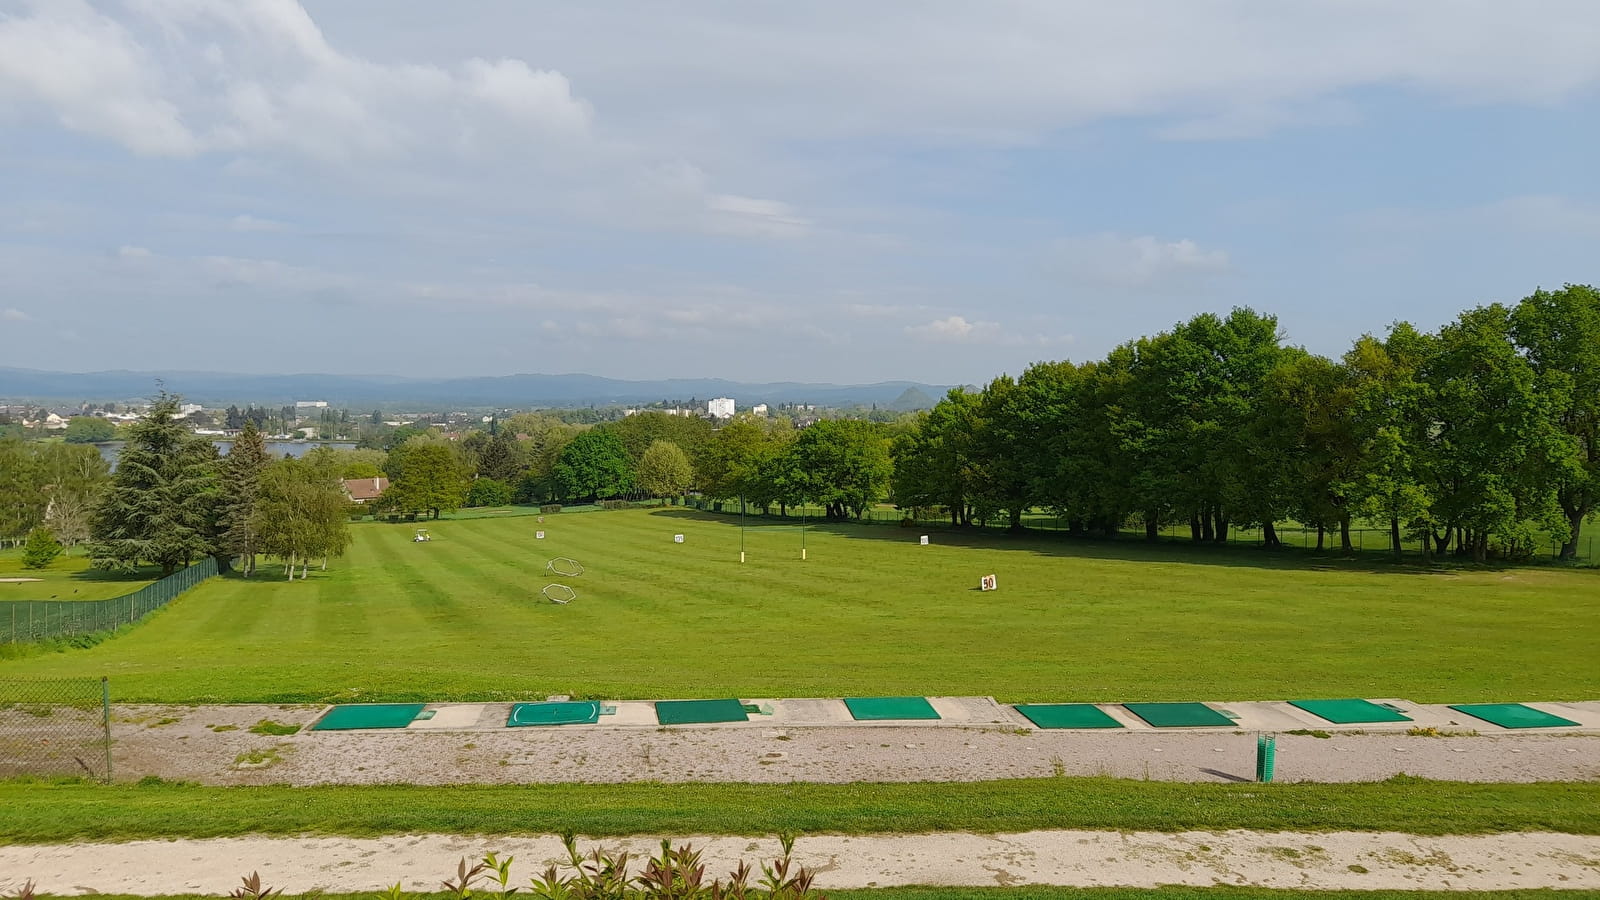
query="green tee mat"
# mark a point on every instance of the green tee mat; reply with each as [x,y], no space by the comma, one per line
[368,715]
[690,712]
[1349,712]
[1177,715]
[1512,715]
[1067,715]
[563,712]
[873,708]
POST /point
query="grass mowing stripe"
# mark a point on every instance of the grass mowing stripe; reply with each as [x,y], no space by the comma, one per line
[39,812]
[438,607]
[876,613]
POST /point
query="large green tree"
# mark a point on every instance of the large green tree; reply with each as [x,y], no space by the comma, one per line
[426,474]
[73,478]
[241,472]
[842,464]
[937,463]
[300,514]
[664,470]
[593,465]
[160,507]
[1560,333]
[1390,425]
[22,506]
[88,430]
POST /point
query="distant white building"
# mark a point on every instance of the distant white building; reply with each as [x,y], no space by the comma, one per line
[720,408]
[311,404]
[760,409]
[188,409]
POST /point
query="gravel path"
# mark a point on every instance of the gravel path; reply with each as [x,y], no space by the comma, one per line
[205,744]
[1086,858]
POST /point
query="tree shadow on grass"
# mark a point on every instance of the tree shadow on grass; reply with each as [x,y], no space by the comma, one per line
[1164,550]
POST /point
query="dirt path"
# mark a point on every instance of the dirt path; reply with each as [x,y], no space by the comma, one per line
[1086,858]
[213,744]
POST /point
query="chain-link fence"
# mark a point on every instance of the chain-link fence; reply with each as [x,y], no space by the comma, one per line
[23,621]
[58,727]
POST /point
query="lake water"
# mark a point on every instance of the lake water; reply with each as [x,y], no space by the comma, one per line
[275,449]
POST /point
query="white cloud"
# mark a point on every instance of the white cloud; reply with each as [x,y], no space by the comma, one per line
[1015,70]
[90,72]
[750,215]
[954,329]
[12,314]
[130,252]
[182,77]
[1144,261]
[246,222]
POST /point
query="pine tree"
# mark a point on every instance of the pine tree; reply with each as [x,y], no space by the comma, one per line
[41,550]
[161,504]
[241,486]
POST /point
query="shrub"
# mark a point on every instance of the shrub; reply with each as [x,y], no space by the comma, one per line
[41,550]
[488,492]
[549,508]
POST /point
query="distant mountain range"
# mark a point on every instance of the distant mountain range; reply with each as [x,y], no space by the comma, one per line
[359,391]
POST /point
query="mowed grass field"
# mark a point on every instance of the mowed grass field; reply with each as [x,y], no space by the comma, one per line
[869,613]
[67,578]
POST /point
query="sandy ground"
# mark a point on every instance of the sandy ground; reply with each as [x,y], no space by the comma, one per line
[1086,858]
[212,745]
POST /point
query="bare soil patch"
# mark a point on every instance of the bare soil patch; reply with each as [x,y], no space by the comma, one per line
[214,745]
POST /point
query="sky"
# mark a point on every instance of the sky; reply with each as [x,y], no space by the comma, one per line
[823,191]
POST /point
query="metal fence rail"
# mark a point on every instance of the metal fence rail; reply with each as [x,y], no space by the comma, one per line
[25,621]
[56,727]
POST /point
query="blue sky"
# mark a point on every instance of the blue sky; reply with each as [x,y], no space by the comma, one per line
[821,192]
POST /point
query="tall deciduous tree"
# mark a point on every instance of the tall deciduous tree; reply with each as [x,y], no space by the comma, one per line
[592,466]
[937,463]
[426,475]
[88,430]
[842,464]
[160,507]
[21,504]
[1560,333]
[73,479]
[300,515]
[664,470]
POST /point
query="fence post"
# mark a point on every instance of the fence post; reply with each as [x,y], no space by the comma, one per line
[105,720]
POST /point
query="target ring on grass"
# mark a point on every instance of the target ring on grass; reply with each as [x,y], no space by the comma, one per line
[565,566]
[559,593]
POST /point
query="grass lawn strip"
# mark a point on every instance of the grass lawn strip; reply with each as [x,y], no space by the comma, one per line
[880,616]
[1052,892]
[43,813]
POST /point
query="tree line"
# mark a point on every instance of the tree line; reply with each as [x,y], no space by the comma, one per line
[1480,438]
[1483,435]
[173,500]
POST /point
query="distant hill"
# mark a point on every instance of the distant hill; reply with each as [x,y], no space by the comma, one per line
[911,399]
[355,391]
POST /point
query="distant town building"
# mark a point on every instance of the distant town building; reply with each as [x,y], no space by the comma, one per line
[311,404]
[361,490]
[720,408]
[760,409]
[188,409]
